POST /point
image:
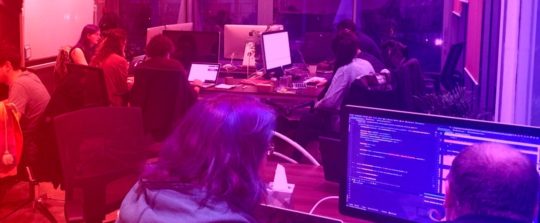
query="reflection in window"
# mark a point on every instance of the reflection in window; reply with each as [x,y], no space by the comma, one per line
[212,15]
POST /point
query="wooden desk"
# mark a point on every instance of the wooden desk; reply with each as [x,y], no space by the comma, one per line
[310,187]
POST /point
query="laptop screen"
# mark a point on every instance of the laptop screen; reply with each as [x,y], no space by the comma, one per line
[397,162]
[203,72]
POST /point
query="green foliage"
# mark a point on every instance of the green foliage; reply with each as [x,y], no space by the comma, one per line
[456,103]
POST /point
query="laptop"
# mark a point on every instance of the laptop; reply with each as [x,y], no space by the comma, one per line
[267,213]
[205,72]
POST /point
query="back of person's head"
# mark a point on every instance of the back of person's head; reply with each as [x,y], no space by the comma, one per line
[109,21]
[394,51]
[10,54]
[345,48]
[115,42]
[87,30]
[494,180]
[219,146]
[346,25]
[159,46]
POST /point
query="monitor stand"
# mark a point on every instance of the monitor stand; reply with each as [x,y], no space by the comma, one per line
[276,72]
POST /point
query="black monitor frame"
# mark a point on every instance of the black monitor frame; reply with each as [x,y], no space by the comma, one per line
[277,71]
[415,117]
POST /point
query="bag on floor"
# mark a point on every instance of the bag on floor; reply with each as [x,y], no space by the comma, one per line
[11,141]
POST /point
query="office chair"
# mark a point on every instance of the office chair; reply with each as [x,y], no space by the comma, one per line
[82,87]
[298,147]
[101,150]
[367,91]
[163,96]
[449,77]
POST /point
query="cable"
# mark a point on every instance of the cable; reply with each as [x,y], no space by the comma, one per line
[320,201]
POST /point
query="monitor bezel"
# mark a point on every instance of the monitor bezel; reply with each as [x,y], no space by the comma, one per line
[231,33]
[264,51]
[172,32]
[417,117]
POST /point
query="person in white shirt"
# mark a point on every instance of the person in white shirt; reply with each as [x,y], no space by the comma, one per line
[347,68]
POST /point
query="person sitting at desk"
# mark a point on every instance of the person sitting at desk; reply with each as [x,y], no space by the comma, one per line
[85,48]
[491,183]
[208,169]
[406,72]
[110,57]
[370,51]
[347,68]
[30,98]
[161,111]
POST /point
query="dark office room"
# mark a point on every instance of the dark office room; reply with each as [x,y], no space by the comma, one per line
[261,111]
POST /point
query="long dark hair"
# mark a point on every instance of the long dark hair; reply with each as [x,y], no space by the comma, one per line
[83,43]
[112,44]
[218,147]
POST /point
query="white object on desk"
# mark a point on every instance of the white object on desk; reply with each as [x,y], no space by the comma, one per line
[225,86]
[280,191]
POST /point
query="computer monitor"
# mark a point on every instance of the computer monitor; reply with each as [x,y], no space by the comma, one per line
[276,51]
[397,162]
[235,37]
[156,30]
[194,46]
[153,31]
[180,26]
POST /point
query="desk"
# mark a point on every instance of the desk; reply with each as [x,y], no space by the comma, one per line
[310,187]
[306,94]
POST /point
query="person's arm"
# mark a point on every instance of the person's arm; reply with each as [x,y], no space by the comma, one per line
[334,95]
[19,97]
[77,56]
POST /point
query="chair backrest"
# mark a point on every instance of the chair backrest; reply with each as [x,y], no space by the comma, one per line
[409,82]
[369,91]
[98,146]
[164,96]
[83,87]
[449,78]
[97,142]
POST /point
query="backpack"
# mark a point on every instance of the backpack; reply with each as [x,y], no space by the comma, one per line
[11,141]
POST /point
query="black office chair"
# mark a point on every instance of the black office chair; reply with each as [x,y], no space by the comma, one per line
[164,97]
[102,150]
[367,91]
[449,77]
[82,87]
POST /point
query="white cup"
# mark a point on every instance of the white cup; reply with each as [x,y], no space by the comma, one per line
[312,69]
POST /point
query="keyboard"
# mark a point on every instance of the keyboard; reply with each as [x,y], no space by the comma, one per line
[299,85]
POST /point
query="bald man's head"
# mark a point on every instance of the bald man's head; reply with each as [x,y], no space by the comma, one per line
[492,179]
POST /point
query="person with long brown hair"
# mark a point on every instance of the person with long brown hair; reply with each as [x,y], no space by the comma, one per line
[110,57]
[208,169]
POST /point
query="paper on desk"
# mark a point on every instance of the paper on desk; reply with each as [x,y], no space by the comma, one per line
[280,179]
[225,86]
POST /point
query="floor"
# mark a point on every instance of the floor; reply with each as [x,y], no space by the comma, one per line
[15,205]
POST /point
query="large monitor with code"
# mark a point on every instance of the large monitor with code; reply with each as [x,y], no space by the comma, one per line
[397,162]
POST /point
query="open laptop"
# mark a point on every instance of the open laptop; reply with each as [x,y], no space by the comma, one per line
[267,213]
[205,72]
